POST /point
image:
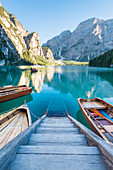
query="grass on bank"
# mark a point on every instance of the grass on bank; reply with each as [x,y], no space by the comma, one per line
[27,59]
[74,63]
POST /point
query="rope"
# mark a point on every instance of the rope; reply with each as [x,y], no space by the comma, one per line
[34,114]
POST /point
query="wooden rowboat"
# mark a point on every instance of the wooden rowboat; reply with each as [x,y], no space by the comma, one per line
[13,123]
[33,70]
[99,115]
[12,92]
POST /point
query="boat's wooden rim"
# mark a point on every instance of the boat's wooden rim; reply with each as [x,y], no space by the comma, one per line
[9,150]
[10,87]
[19,108]
[90,122]
[96,98]
[13,92]
[95,140]
[9,90]
[14,89]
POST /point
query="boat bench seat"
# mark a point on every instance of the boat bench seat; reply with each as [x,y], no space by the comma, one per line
[109,136]
[95,105]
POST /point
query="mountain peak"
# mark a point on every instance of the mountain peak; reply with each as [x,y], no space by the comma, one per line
[88,23]
[66,32]
[91,38]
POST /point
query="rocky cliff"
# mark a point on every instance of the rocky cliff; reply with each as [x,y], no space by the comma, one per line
[48,54]
[91,38]
[18,46]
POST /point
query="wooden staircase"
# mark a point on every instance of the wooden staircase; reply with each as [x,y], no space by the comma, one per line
[57,145]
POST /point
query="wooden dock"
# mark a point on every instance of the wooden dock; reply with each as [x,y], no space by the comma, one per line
[57,143]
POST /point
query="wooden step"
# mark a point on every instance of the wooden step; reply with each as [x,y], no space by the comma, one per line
[57,125]
[57,145]
[58,162]
[49,139]
[57,130]
[70,150]
[56,121]
[56,115]
[56,118]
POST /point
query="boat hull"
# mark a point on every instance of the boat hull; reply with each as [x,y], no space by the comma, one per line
[13,123]
[15,95]
[99,126]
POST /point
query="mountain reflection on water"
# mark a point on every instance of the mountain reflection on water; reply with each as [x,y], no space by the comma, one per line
[59,84]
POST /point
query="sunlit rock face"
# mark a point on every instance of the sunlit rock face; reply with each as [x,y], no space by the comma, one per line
[37,81]
[59,44]
[18,46]
[40,77]
[48,54]
[12,44]
[33,44]
[25,78]
[90,39]
[49,74]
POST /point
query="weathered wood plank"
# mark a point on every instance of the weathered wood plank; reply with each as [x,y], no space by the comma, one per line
[94,140]
[57,151]
[57,130]
[57,121]
[17,128]
[56,125]
[109,136]
[96,105]
[56,118]
[109,128]
[62,129]
[79,143]
[57,162]
[24,123]
[70,150]
[6,123]
[5,137]
[11,147]
[10,125]
[57,138]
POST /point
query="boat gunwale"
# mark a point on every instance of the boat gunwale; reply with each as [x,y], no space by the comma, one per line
[12,115]
[11,96]
[94,140]
[96,98]
[8,151]
[10,87]
[93,126]
[29,88]
[23,107]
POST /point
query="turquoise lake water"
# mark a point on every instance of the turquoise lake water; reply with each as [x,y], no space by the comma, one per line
[61,84]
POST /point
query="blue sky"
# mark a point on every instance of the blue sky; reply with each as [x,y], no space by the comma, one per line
[50,17]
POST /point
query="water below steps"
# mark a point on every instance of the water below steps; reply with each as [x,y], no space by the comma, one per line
[57,145]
